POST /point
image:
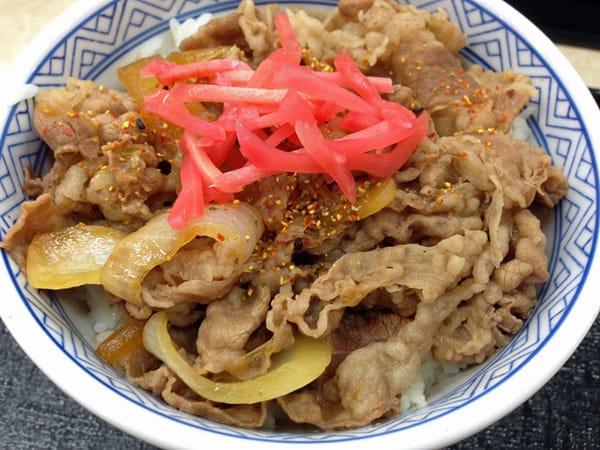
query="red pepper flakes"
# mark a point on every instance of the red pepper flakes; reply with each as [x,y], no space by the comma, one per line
[220,237]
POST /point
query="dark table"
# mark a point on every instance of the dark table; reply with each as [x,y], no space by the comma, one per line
[565,414]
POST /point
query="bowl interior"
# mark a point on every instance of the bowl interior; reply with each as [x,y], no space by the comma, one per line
[101,42]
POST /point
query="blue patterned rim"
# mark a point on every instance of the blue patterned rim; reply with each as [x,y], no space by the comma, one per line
[99,41]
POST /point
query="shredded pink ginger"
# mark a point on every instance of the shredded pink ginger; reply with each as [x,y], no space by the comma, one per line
[276,119]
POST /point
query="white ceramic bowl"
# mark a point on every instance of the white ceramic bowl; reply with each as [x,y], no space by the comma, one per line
[92,38]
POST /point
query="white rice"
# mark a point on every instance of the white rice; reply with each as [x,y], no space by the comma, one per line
[431,374]
[104,316]
[519,129]
[165,43]
[181,30]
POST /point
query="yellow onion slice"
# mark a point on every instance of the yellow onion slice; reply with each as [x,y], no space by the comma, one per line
[235,229]
[291,369]
[122,341]
[70,257]
[252,362]
[381,194]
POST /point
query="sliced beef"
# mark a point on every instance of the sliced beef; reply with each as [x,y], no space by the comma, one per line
[228,326]
[105,165]
[250,28]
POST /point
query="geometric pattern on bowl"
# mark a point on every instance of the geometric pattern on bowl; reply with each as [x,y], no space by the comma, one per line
[99,45]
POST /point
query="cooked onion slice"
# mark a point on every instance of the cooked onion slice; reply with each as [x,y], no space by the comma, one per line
[122,341]
[70,257]
[235,229]
[291,369]
[380,195]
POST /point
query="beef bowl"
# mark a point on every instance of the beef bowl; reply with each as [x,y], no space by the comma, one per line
[251,225]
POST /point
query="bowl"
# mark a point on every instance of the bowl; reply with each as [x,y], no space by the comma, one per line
[91,39]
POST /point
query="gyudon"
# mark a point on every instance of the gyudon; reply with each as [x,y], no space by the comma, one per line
[294,210]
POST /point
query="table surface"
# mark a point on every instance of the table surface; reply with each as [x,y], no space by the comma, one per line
[35,414]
